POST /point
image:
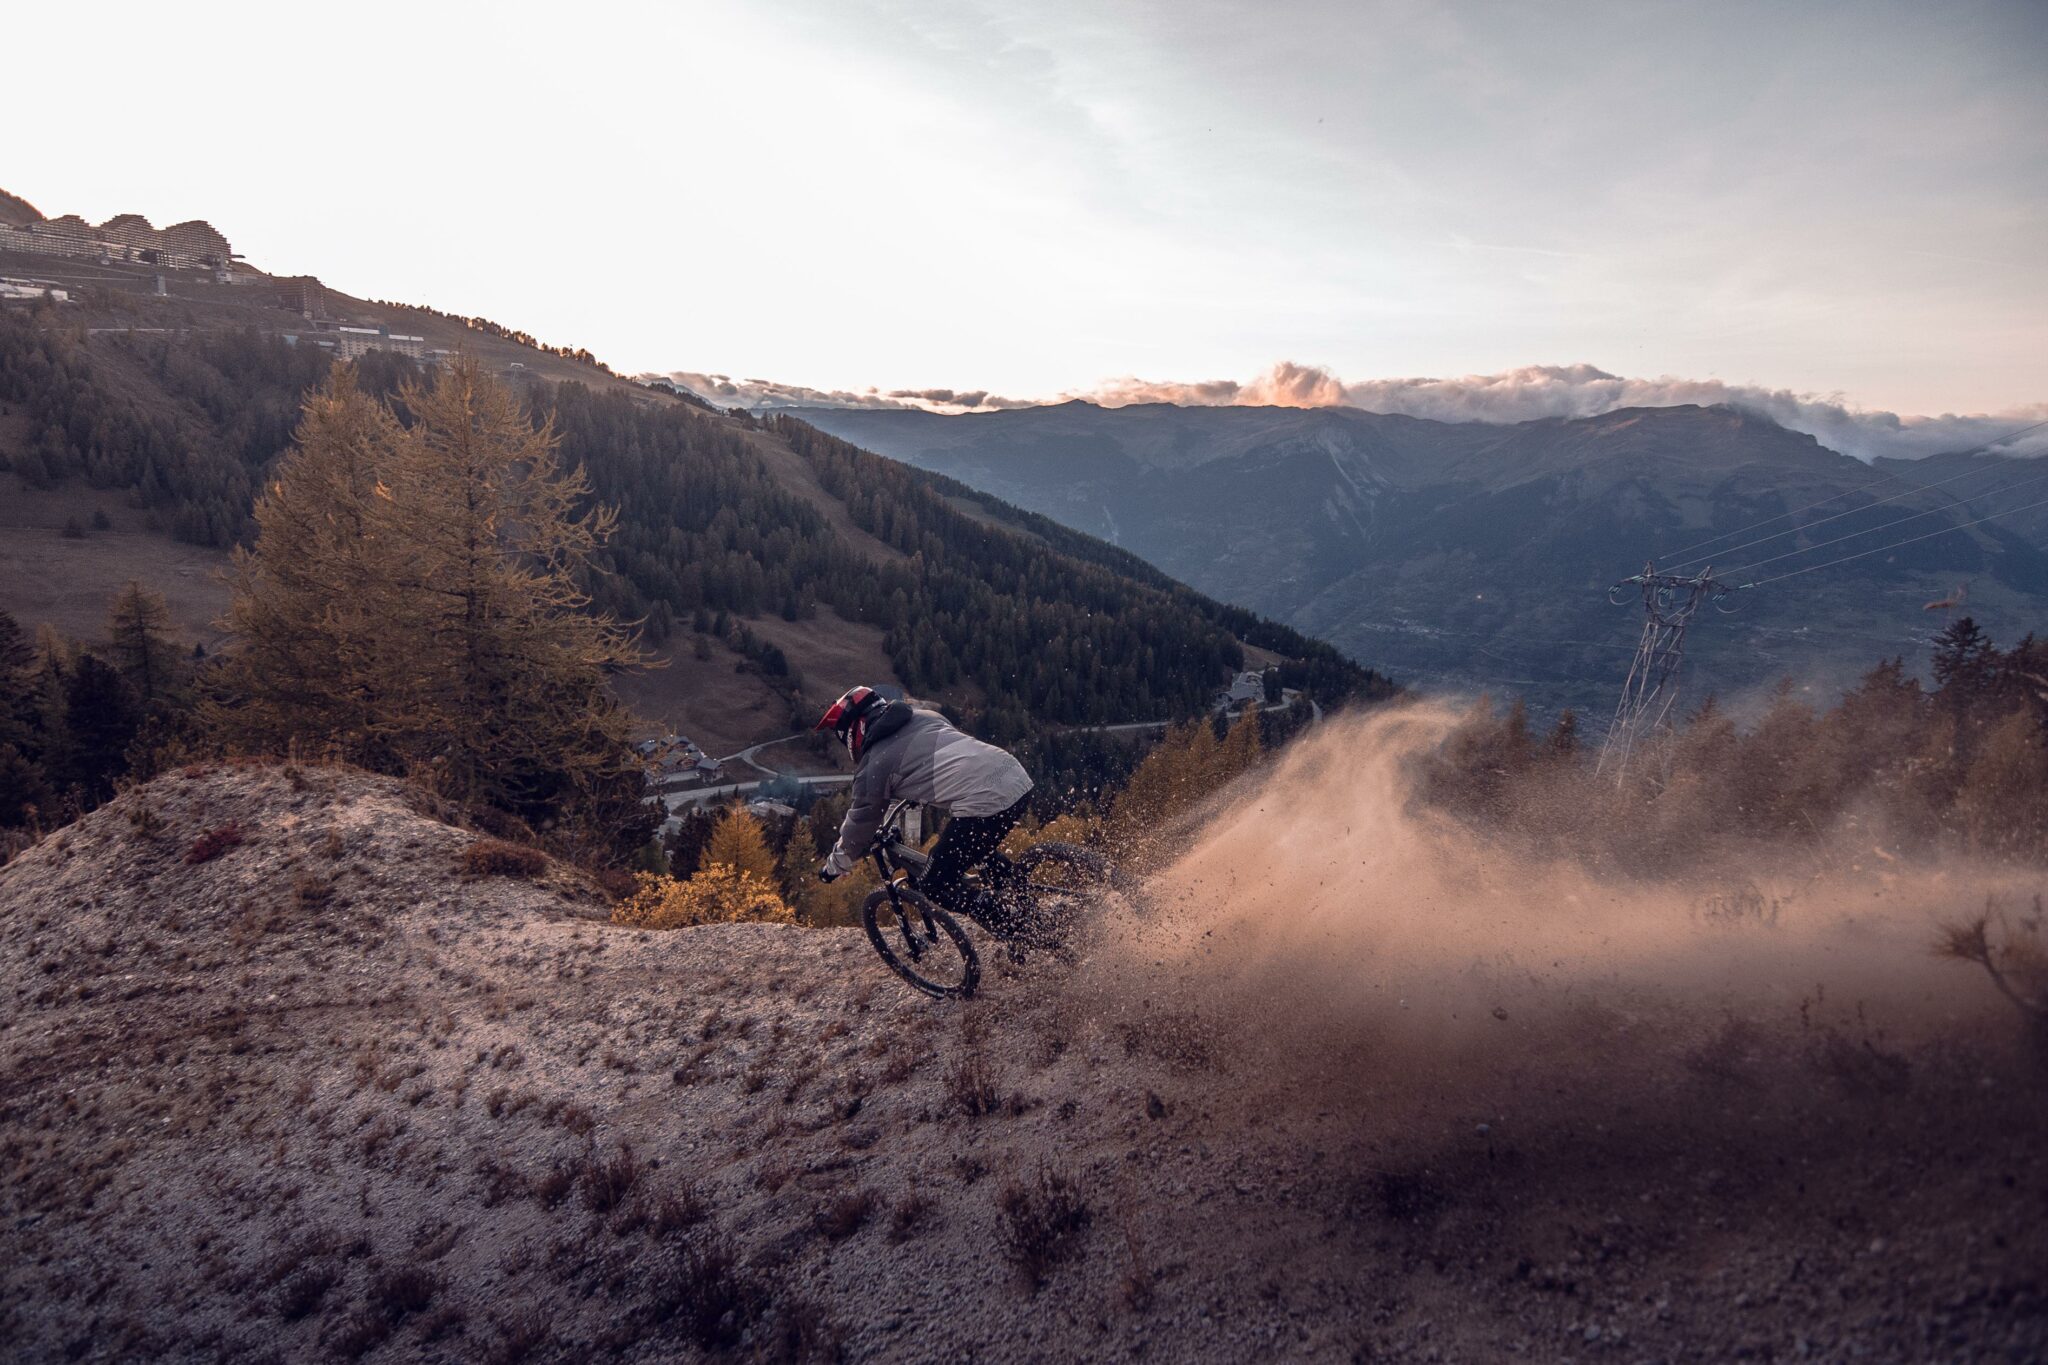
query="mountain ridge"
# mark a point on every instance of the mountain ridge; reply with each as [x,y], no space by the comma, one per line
[759,584]
[1475,555]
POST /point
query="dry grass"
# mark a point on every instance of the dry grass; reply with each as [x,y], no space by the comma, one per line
[267,1125]
[1042,1221]
[607,1181]
[214,842]
[911,1215]
[972,1088]
[497,858]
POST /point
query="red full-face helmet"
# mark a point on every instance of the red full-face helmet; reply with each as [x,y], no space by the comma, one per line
[848,717]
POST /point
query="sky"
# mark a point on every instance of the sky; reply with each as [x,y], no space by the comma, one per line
[1842,202]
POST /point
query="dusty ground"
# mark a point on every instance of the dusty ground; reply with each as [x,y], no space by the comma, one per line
[323,1096]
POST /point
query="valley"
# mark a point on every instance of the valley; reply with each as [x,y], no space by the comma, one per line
[1476,557]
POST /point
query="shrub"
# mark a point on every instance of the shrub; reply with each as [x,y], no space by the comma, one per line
[719,894]
[972,1087]
[310,892]
[680,1209]
[552,1188]
[709,1296]
[214,842]
[298,1296]
[910,1215]
[606,1183]
[1041,1221]
[843,1216]
[496,858]
[402,1292]
[519,1338]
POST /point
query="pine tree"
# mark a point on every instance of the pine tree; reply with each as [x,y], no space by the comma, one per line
[1564,736]
[737,841]
[1179,772]
[798,868]
[1964,662]
[139,628]
[17,691]
[100,716]
[1516,746]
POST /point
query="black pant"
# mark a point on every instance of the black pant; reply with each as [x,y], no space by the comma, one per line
[967,843]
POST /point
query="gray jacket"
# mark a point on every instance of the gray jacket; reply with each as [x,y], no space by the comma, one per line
[913,754]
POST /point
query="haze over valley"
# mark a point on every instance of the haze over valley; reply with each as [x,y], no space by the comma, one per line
[1476,556]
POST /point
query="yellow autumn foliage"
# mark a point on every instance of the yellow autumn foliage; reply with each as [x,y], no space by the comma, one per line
[720,894]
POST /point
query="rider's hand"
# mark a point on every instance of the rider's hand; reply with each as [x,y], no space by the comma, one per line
[826,874]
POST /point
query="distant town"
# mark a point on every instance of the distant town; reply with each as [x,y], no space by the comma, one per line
[127,255]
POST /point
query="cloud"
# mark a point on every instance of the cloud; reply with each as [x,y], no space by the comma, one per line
[1538,391]
[728,392]
[1520,395]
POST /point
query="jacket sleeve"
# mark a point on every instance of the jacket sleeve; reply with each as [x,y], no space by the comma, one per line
[863,817]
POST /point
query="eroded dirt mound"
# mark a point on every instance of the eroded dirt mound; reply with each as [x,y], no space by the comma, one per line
[279,1081]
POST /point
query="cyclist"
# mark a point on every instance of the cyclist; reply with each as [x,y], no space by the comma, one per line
[905,752]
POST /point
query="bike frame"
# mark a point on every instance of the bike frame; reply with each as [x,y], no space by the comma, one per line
[892,855]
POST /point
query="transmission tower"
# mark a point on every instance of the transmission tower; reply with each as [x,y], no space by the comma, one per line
[1670,601]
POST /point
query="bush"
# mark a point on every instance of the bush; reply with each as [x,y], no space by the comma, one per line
[496,858]
[720,894]
[214,842]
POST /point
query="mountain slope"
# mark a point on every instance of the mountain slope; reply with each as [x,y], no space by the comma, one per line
[1478,555]
[321,1096]
[765,558]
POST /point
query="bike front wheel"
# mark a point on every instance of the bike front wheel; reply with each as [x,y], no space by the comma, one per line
[921,943]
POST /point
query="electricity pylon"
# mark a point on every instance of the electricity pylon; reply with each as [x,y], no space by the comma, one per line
[1670,601]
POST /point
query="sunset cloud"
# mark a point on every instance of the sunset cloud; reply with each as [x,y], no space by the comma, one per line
[1525,394]
[1538,391]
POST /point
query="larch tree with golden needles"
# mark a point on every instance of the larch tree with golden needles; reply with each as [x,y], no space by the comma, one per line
[1243,745]
[501,536]
[415,601]
[738,842]
[320,622]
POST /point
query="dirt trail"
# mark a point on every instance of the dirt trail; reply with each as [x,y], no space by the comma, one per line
[322,1096]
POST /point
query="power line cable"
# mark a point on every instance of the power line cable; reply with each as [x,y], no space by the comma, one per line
[1744,530]
[1873,530]
[1916,488]
[1794,573]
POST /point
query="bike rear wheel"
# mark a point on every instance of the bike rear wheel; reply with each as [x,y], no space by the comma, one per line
[921,943]
[1065,882]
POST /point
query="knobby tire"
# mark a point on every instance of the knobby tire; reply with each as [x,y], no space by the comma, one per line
[894,944]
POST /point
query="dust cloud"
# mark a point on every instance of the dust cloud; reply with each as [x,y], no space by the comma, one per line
[1325,938]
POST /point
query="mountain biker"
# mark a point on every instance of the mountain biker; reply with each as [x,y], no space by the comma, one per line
[905,752]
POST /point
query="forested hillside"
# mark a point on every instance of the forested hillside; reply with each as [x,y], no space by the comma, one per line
[1021,627]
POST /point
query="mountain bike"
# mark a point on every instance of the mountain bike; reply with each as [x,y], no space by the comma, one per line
[1033,902]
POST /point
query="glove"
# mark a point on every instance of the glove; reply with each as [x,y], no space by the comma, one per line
[826,874]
